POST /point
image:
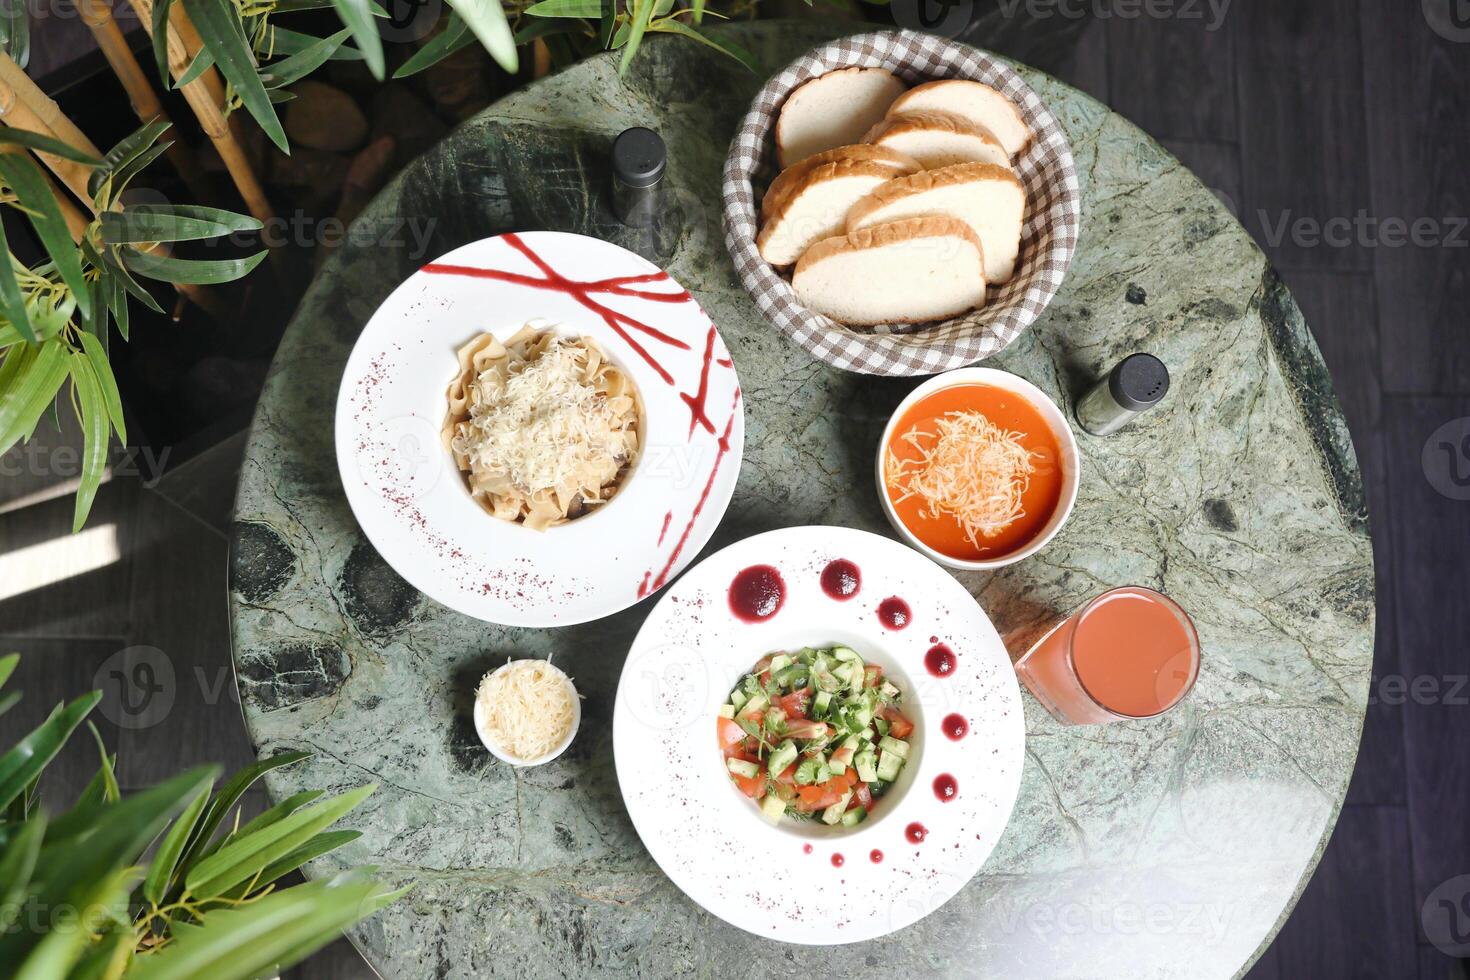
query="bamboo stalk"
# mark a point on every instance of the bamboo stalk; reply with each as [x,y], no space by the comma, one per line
[206,96]
[24,106]
[97,15]
[541,58]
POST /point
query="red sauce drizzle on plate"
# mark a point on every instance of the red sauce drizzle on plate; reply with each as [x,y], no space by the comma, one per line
[916,832]
[940,660]
[756,593]
[876,856]
[837,860]
[945,787]
[955,726]
[894,613]
[806,848]
[841,579]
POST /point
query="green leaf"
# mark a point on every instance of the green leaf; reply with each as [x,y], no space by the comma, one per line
[29,756]
[206,272]
[12,303]
[642,10]
[358,18]
[7,666]
[8,701]
[723,46]
[456,35]
[281,42]
[304,62]
[107,958]
[229,795]
[110,791]
[310,851]
[46,144]
[82,818]
[17,864]
[127,149]
[203,61]
[129,285]
[160,39]
[166,859]
[545,27]
[244,857]
[282,809]
[697,6]
[22,402]
[96,435]
[171,223]
[15,33]
[590,9]
[59,949]
[219,28]
[118,182]
[102,368]
[34,194]
[487,19]
[265,936]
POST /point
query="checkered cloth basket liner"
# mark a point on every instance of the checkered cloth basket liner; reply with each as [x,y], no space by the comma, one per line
[1053,214]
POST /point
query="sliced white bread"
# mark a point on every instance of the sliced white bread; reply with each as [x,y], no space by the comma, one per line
[834,109]
[817,207]
[974,101]
[987,198]
[793,175]
[909,271]
[937,139]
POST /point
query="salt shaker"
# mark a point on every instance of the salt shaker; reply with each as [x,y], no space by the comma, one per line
[1135,384]
[638,162]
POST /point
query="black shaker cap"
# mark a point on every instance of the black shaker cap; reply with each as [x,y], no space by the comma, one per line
[1138,381]
[639,157]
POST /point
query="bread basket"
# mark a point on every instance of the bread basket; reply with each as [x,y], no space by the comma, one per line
[1048,237]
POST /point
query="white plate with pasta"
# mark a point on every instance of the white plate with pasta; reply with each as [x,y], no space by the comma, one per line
[539,429]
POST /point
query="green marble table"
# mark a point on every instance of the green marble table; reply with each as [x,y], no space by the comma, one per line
[1170,848]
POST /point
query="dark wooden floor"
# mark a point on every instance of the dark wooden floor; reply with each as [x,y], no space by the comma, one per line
[1327,127]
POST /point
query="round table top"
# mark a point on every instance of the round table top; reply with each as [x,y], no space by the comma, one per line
[1172,847]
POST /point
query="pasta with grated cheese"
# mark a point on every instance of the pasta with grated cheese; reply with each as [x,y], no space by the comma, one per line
[544,427]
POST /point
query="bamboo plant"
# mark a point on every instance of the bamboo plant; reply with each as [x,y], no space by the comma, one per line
[168,882]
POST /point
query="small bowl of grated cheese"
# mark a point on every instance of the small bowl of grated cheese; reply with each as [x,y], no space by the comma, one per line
[527,712]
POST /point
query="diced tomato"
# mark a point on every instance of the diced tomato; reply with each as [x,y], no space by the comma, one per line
[752,786]
[787,775]
[843,755]
[819,797]
[730,733]
[849,776]
[806,729]
[898,725]
[862,796]
[794,704]
[872,675]
[765,678]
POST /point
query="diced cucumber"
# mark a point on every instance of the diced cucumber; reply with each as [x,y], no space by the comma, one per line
[852,742]
[738,698]
[740,767]
[790,677]
[837,764]
[843,672]
[826,680]
[779,662]
[784,756]
[727,711]
[860,718]
[898,747]
[889,763]
[856,679]
[834,812]
[866,764]
[846,654]
[773,808]
[756,702]
[882,725]
[821,704]
[808,771]
[854,816]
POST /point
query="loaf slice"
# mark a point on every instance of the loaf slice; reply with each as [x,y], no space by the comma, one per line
[974,101]
[937,139]
[793,175]
[834,109]
[987,198]
[909,271]
[816,208]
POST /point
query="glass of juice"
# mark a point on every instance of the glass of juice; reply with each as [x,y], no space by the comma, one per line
[1129,653]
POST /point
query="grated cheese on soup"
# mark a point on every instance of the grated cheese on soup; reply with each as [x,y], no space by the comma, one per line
[969,469]
[526,708]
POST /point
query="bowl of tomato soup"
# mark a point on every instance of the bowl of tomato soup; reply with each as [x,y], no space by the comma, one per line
[977,469]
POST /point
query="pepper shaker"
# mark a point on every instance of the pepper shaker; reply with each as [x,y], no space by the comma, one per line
[1135,384]
[638,162]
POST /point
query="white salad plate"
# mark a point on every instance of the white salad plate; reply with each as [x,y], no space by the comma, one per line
[414,504]
[781,881]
